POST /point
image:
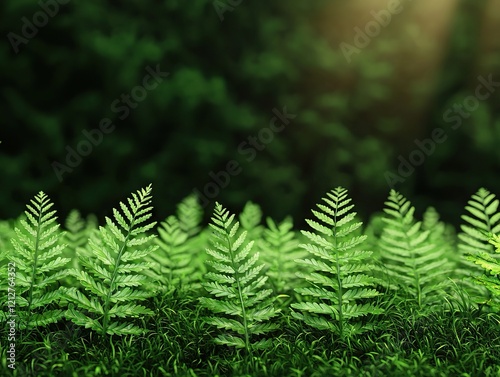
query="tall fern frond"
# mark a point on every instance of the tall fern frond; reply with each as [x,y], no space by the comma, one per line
[38,265]
[414,262]
[112,276]
[482,219]
[490,279]
[240,302]
[340,286]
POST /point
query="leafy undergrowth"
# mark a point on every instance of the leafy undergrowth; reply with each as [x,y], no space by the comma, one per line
[245,297]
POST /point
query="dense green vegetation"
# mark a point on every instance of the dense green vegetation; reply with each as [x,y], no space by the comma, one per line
[399,296]
[219,103]
[352,122]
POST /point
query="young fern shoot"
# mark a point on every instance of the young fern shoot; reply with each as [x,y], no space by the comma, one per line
[237,287]
[111,277]
[340,287]
[38,265]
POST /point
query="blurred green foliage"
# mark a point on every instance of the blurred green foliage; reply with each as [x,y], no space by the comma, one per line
[225,79]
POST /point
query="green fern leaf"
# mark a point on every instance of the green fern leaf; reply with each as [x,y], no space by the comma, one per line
[482,219]
[237,286]
[490,279]
[110,279]
[339,277]
[250,219]
[190,214]
[410,256]
[173,265]
[280,248]
[38,264]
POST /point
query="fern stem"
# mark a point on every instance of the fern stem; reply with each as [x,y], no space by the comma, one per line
[240,295]
[35,259]
[339,280]
[115,274]
[417,276]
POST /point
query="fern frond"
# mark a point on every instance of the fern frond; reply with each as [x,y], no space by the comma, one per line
[482,218]
[37,263]
[415,262]
[280,249]
[190,214]
[76,237]
[173,264]
[250,219]
[339,279]
[110,275]
[490,279]
[237,285]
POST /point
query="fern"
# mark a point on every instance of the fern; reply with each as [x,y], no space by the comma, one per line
[77,234]
[5,235]
[190,214]
[241,305]
[279,251]
[172,264]
[78,229]
[483,218]
[250,219]
[111,276]
[491,278]
[440,234]
[340,284]
[38,265]
[416,264]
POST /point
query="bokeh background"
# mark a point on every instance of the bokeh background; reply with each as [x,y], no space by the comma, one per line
[230,63]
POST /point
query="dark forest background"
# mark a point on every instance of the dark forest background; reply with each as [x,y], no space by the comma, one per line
[229,64]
